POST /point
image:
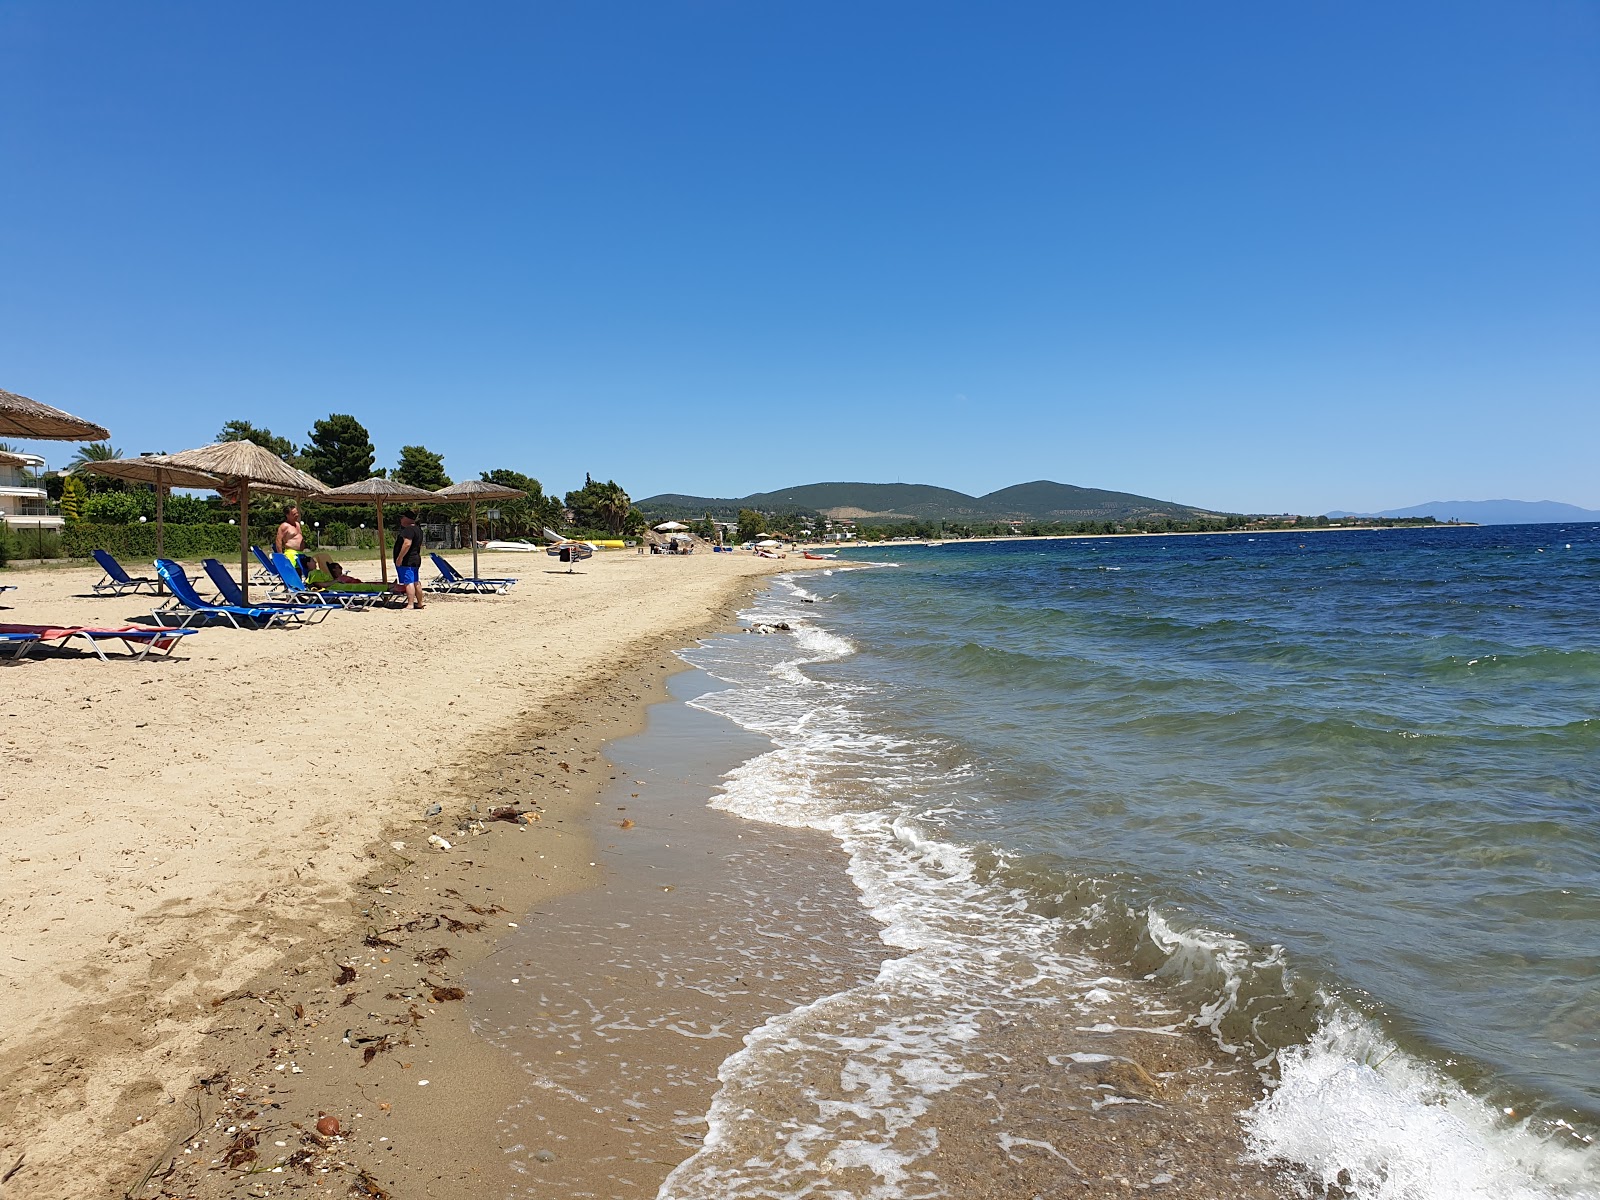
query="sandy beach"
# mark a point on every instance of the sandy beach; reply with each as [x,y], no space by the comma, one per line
[218,869]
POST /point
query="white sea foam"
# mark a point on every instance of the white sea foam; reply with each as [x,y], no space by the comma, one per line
[1354,1109]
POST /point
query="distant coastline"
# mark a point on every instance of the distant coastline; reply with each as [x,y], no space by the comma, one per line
[1080,537]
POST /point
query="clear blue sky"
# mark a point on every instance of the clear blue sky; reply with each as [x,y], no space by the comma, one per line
[1255,256]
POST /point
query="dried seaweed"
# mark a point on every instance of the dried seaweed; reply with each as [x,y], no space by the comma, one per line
[366,1185]
[240,1151]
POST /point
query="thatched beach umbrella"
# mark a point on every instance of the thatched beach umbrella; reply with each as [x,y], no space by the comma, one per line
[25,418]
[242,468]
[378,492]
[156,469]
[471,491]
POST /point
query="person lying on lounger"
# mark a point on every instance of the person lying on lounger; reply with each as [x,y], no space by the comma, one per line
[335,574]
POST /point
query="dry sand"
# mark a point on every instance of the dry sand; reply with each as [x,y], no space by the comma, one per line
[201,878]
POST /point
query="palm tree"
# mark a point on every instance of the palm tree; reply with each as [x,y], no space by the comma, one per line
[614,506]
[94,452]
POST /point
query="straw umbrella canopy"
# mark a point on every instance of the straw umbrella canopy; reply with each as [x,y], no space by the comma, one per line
[379,492]
[156,469]
[25,418]
[242,468]
[471,491]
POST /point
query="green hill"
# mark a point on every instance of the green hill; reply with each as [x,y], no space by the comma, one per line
[1041,500]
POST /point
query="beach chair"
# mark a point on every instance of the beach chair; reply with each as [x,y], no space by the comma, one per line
[20,644]
[297,589]
[138,639]
[451,580]
[266,573]
[117,581]
[228,593]
[188,604]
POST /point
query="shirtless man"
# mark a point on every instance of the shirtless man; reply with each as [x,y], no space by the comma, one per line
[291,539]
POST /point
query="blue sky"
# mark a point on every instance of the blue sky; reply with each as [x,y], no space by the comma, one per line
[1254,256]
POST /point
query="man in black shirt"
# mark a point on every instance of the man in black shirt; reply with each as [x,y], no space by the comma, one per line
[408,558]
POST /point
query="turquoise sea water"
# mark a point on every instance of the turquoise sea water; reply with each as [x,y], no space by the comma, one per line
[1336,794]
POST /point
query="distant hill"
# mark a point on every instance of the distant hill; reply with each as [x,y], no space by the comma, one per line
[1490,512]
[1041,500]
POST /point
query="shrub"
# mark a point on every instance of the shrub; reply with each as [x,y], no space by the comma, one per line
[114,508]
[139,541]
[74,495]
[336,533]
[31,542]
[187,510]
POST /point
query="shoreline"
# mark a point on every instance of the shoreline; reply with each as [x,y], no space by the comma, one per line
[273,859]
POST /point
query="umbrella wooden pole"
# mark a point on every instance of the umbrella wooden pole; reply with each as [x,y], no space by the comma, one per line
[474,518]
[383,547]
[244,539]
[161,544]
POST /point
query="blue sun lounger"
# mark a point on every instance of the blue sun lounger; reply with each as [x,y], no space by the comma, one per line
[117,581]
[187,602]
[267,573]
[138,640]
[20,644]
[451,580]
[296,588]
[228,593]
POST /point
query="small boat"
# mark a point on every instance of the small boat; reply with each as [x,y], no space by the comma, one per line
[818,557]
[522,547]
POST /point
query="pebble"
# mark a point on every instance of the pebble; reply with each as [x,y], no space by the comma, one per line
[545,1156]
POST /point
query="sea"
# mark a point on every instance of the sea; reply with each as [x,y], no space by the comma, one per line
[1225,865]
[1330,799]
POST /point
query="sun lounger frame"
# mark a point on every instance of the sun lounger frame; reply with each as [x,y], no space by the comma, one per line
[293,587]
[228,593]
[188,603]
[451,580]
[117,581]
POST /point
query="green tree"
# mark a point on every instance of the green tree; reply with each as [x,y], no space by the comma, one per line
[243,431]
[339,452]
[615,505]
[94,452]
[751,525]
[115,508]
[74,499]
[421,467]
[599,505]
[529,514]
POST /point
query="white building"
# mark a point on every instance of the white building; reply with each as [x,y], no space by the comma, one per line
[22,497]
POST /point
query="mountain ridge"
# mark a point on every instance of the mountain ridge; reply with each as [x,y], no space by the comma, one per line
[1040,500]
